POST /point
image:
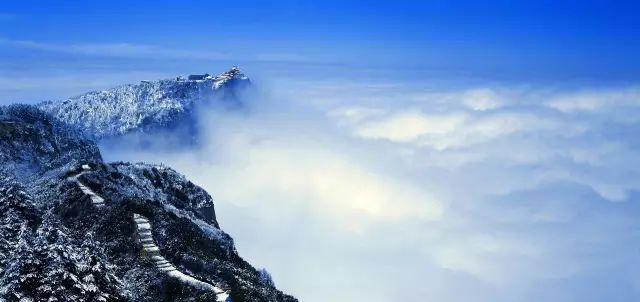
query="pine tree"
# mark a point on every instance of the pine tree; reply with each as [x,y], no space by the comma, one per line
[11,221]
[18,266]
[265,277]
[51,267]
[22,270]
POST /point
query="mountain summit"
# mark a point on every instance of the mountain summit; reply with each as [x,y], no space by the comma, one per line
[76,228]
[148,105]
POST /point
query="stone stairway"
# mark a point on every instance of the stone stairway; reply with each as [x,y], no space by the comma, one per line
[148,245]
[96,200]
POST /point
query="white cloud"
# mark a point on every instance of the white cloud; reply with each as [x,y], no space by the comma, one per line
[492,197]
[476,255]
[331,184]
[354,115]
[481,99]
[457,129]
[409,126]
[591,100]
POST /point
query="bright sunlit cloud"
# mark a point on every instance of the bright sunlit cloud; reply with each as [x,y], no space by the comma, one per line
[495,198]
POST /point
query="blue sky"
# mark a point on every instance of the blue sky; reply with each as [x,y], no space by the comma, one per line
[541,41]
[412,151]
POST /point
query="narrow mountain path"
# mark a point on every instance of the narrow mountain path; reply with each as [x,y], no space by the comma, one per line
[146,240]
[95,198]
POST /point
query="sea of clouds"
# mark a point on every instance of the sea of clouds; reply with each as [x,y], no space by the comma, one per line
[366,190]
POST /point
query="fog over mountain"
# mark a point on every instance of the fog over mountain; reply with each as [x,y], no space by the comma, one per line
[75,228]
[478,193]
[495,192]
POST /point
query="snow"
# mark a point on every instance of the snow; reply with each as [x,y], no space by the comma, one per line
[39,261]
[208,229]
[133,107]
[144,232]
[95,198]
[144,226]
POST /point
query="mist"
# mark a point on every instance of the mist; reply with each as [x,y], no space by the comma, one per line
[380,191]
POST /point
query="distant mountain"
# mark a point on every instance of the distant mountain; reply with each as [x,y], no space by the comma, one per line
[149,105]
[74,228]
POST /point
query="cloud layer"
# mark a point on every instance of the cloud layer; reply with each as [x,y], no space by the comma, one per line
[371,191]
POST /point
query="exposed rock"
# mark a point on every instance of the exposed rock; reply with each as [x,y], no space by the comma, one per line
[58,244]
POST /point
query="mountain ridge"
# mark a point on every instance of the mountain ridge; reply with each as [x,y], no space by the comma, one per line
[68,229]
[149,105]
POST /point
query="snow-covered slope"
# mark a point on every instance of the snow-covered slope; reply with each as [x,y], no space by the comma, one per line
[147,105]
[152,251]
[67,233]
[32,142]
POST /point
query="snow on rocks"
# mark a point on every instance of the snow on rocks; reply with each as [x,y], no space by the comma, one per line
[120,110]
[153,251]
[208,229]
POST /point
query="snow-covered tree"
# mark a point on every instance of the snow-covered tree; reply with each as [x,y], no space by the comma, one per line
[265,277]
[21,275]
[51,267]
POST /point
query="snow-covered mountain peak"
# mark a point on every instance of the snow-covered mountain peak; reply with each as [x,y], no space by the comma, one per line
[75,228]
[149,104]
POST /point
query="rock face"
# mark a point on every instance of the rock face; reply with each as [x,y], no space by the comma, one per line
[149,105]
[58,244]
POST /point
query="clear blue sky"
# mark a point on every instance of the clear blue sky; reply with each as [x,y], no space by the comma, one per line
[532,40]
